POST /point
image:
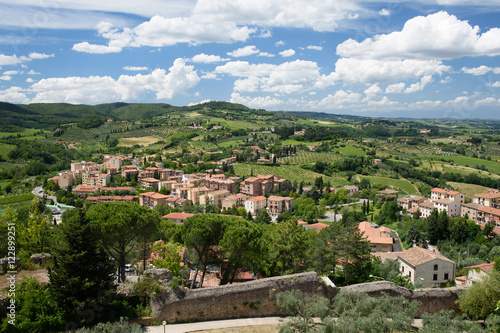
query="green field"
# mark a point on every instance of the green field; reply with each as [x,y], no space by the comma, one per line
[5,149]
[290,172]
[350,151]
[311,157]
[402,184]
[468,161]
[468,189]
[298,143]
[16,198]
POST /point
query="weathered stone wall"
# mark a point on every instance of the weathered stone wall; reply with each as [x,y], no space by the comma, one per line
[257,298]
[243,300]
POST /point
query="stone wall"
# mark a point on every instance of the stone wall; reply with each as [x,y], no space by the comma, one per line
[257,298]
[243,300]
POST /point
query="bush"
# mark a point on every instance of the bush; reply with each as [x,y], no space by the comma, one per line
[119,327]
[480,300]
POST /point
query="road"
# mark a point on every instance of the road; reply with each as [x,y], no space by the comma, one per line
[38,191]
[210,325]
[216,324]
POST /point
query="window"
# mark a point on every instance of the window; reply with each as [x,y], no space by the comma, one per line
[435,267]
[435,277]
[402,268]
[409,274]
[446,276]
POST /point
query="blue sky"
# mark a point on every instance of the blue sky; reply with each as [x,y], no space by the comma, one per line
[424,58]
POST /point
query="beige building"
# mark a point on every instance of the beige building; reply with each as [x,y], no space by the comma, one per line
[151,199]
[237,200]
[277,205]
[452,208]
[426,209]
[429,267]
[477,273]
[255,204]
[150,182]
[471,210]
[439,193]
[379,237]
[488,199]
[214,198]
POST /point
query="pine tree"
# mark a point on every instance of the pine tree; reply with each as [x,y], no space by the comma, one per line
[82,272]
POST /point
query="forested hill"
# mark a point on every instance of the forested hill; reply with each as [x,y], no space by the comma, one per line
[54,114]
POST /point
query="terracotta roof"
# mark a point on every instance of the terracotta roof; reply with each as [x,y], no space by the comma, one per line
[487,268]
[439,190]
[491,210]
[375,235]
[417,198]
[318,226]
[416,256]
[487,195]
[412,210]
[473,205]
[251,179]
[388,192]
[444,201]
[259,198]
[427,204]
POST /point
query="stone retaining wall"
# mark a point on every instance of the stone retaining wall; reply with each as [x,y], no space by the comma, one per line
[257,298]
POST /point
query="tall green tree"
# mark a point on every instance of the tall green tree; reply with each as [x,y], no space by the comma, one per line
[287,243]
[82,275]
[202,233]
[433,227]
[262,217]
[119,224]
[242,246]
[37,237]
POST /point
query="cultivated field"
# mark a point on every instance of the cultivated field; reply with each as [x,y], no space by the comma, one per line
[401,184]
[142,141]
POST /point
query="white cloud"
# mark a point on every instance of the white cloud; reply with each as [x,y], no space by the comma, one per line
[103,89]
[279,43]
[339,99]
[244,51]
[383,102]
[436,36]
[30,80]
[14,95]
[446,80]
[419,86]
[209,76]
[11,72]
[395,88]
[5,77]
[495,84]
[287,53]
[373,90]
[9,60]
[384,12]
[38,56]
[208,59]
[361,71]
[481,70]
[95,49]
[202,102]
[32,72]
[134,68]
[287,78]
[265,54]
[315,47]
[256,102]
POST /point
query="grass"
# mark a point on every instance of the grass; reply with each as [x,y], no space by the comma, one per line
[5,149]
[16,198]
[402,184]
[350,151]
[468,189]
[297,143]
[142,141]
[311,157]
[468,161]
[290,172]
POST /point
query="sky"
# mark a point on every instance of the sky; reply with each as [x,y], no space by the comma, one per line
[415,59]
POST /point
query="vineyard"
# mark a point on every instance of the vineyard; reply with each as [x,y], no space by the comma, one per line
[5,149]
[199,145]
[307,157]
[290,172]
[350,151]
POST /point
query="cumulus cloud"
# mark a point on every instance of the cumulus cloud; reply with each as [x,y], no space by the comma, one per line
[384,12]
[289,77]
[30,80]
[287,53]
[362,71]
[102,89]
[11,72]
[446,80]
[279,43]
[315,47]
[244,51]
[419,86]
[481,70]
[14,95]
[5,77]
[256,102]
[134,68]
[495,84]
[38,56]
[339,99]
[208,59]
[395,88]
[436,36]
[202,102]
[9,60]
[265,54]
